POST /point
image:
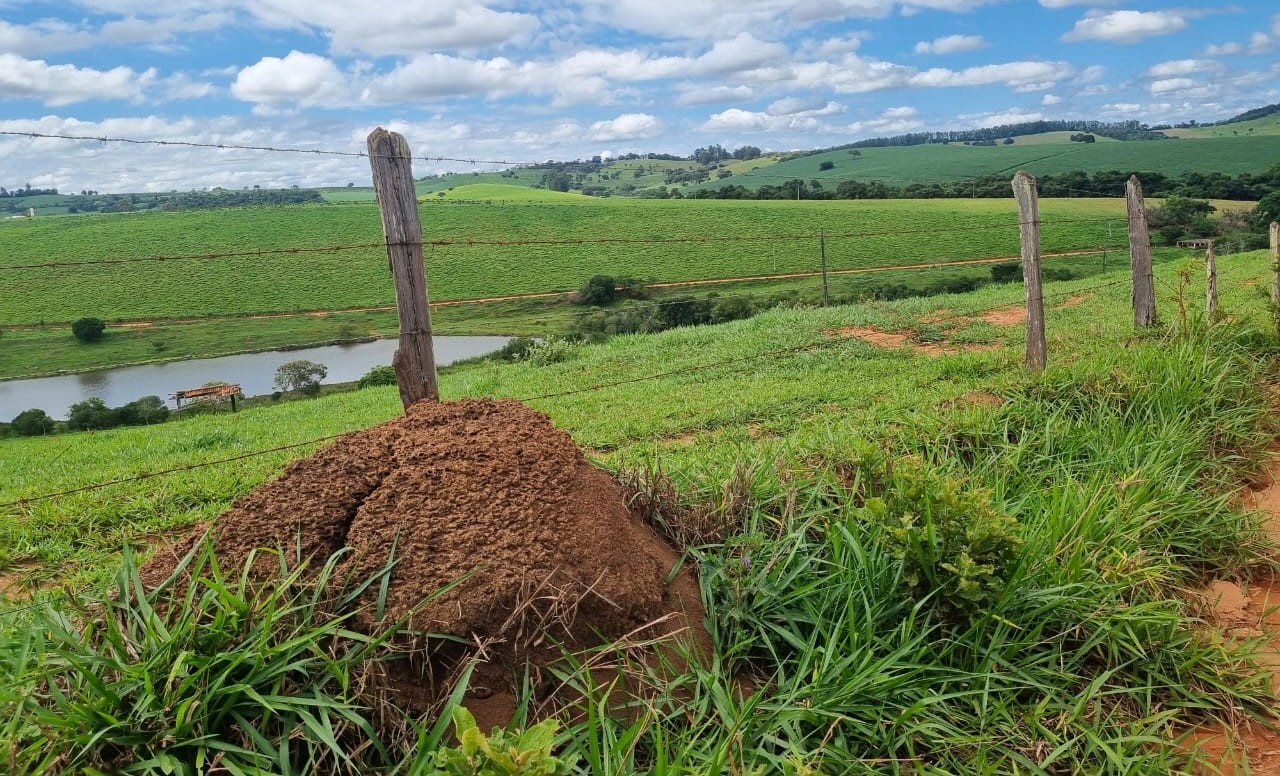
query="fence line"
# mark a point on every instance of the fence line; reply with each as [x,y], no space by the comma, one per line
[239,147]
[821,344]
[537,242]
[663,285]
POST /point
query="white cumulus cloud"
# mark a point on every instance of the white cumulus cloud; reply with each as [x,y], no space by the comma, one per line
[305,79]
[1125,26]
[628,126]
[951,44]
[36,79]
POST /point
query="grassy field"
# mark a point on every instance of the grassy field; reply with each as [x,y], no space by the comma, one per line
[661,241]
[940,163]
[1079,654]
[1266,125]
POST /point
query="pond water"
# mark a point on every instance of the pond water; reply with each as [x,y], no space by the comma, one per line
[254,372]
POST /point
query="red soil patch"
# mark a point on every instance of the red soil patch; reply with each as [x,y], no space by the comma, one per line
[1006,316]
[483,488]
[1073,301]
[887,339]
[1247,611]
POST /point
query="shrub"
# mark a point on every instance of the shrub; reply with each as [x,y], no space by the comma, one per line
[954,544]
[551,350]
[92,414]
[824,166]
[516,348]
[684,311]
[379,375]
[302,375]
[88,329]
[731,309]
[33,422]
[599,290]
[143,412]
[1007,272]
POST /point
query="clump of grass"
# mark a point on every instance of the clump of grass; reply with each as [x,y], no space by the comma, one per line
[837,654]
[214,670]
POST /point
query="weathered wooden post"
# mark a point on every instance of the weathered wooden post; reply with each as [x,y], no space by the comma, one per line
[1024,190]
[1275,273]
[1144,284]
[1211,284]
[414,361]
[822,249]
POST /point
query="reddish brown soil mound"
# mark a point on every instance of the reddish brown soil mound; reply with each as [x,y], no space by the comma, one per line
[487,492]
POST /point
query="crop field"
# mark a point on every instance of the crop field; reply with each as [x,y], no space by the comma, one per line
[526,241]
[838,648]
[940,163]
[622,238]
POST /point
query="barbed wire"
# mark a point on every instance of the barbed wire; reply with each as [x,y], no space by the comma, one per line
[187,256]
[664,285]
[538,242]
[273,149]
[538,397]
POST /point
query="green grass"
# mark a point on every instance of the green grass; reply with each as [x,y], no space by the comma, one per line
[504,192]
[940,163]
[50,298]
[1120,466]
[1263,126]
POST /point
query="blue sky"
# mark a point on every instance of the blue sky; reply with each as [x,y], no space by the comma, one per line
[524,80]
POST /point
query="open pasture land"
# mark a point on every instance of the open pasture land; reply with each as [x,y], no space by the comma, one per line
[490,250]
[934,163]
[837,647]
[517,247]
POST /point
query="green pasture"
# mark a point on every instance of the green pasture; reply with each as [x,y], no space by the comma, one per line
[902,165]
[579,237]
[1100,493]
[653,240]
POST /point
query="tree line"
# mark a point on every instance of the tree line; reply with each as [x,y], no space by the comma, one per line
[1246,187]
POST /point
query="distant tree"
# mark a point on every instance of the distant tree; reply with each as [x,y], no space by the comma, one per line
[302,375]
[1008,141]
[824,166]
[599,290]
[92,414]
[143,412]
[88,329]
[1268,209]
[33,422]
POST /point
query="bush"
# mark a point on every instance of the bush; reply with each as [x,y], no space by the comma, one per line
[88,329]
[302,375]
[92,414]
[33,422]
[1008,272]
[143,412]
[731,309]
[379,375]
[599,290]
[954,544]
[684,311]
[551,350]
[516,348]
[824,166]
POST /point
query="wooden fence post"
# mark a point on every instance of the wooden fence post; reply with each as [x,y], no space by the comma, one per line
[1144,284]
[822,248]
[1024,190]
[1211,284]
[1275,273]
[414,361]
